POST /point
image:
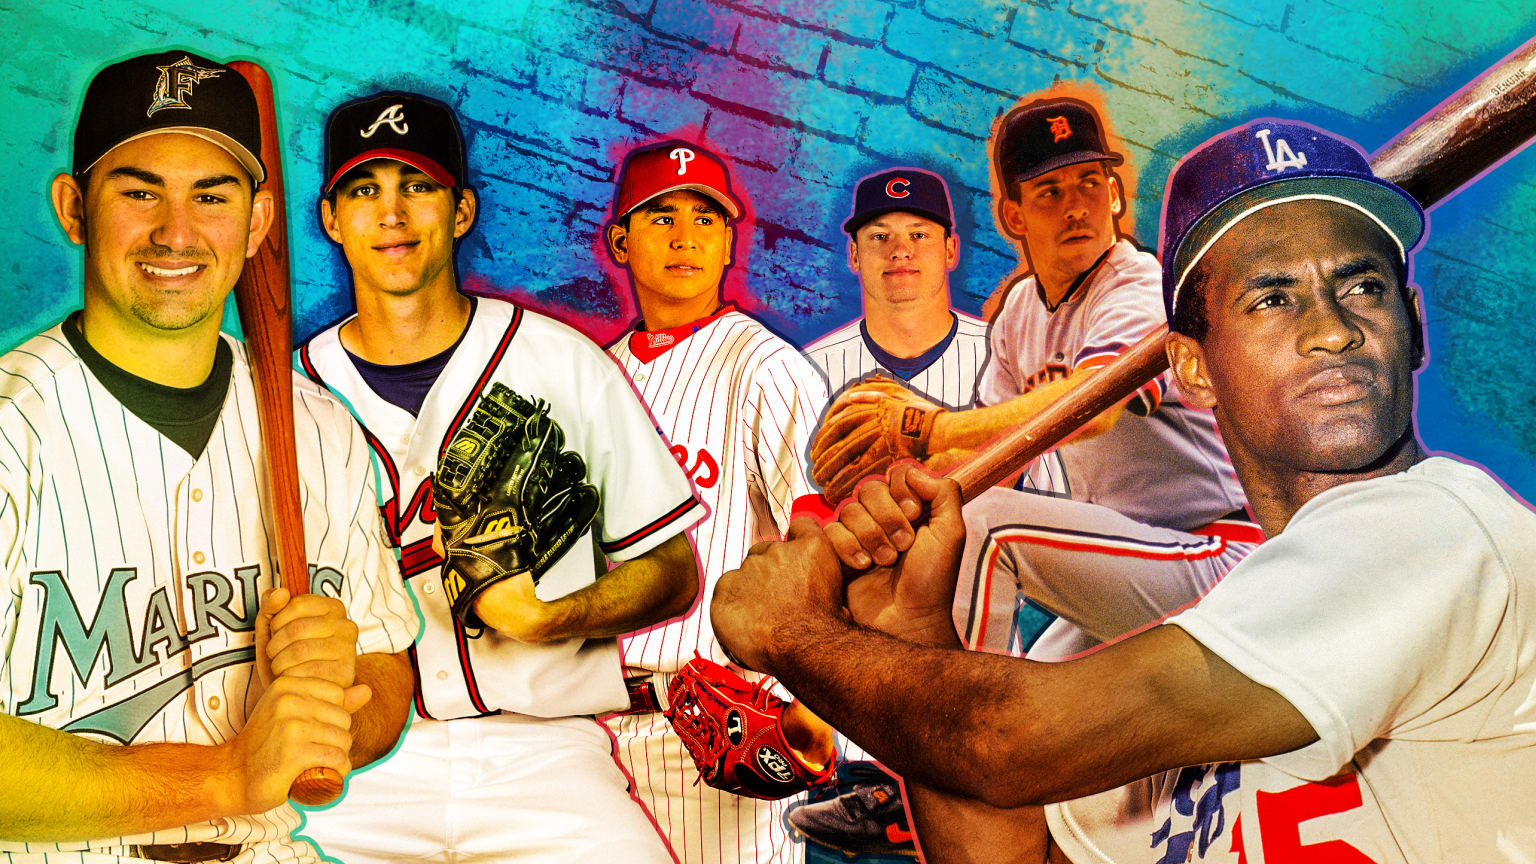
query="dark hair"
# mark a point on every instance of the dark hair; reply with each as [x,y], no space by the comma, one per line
[458,191]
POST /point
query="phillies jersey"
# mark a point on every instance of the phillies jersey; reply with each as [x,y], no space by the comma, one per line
[135,570]
[462,671]
[1167,467]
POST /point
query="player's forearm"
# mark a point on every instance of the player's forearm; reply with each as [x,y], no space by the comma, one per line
[956,830]
[62,787]
[376,726]
[969,430]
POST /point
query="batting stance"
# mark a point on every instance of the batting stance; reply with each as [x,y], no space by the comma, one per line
[738,405]
[1364,685]
[160,692]
[506,759]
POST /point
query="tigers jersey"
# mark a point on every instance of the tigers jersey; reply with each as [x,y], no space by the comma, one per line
[135,570]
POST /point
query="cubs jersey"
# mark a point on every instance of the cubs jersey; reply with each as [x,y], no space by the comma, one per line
[946,373]
[462,672]
[1167,468]
[135,569]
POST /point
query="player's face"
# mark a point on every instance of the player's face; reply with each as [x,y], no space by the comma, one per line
[396,227]
[1308,359]
[167,222]
[1066,218]
[676,247]
[902,258]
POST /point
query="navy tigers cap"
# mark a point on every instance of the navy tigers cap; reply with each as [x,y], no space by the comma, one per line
[905,190]
[172,91]
[421,132]
[1047,134]
[1261,164]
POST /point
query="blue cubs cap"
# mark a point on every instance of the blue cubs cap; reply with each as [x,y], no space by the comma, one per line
[903,190]
[1047,134]
[1261,164]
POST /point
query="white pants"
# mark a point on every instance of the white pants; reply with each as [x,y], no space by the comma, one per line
[500,788]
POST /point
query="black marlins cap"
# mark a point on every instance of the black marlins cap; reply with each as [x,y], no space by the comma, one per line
[173,91]
[418,131]
[1048,134]
[908,190]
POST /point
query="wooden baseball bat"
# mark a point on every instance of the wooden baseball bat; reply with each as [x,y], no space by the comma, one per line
[266,317]
[1466,135]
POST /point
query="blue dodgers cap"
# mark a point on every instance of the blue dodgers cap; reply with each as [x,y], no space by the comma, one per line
[1261,164]
[905,190]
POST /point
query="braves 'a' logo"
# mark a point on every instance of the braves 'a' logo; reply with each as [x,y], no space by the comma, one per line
[1060,128]
[1280,154]
[393,117]
[705,471]
[175,84]
[683,156]
[892,189]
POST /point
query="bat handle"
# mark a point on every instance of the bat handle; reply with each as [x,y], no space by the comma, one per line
[316,787]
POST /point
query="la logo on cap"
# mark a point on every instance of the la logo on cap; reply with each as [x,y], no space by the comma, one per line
[892,191]
[1280,154]
[175,84]
[394,117]
[683,156]
[1060,129]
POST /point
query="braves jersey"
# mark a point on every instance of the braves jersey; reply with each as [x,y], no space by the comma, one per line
[1168,469]
[464,672]
[739,406]
[135,569]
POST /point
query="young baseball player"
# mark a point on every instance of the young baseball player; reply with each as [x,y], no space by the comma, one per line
[1363,685]
[160,692]
[738,405]
[506,759]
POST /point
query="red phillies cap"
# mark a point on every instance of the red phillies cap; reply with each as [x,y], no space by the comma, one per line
[667,167]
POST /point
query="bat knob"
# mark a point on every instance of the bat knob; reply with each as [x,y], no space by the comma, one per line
[316,786]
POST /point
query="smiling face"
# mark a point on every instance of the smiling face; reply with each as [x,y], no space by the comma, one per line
[396,227]
[1066,219]
[676,247]
[1309,353]
[167,222]
[902,259]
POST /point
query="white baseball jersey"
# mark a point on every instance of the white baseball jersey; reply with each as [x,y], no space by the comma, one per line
[135,569]
[517,771]
[739,406]
[1168,469]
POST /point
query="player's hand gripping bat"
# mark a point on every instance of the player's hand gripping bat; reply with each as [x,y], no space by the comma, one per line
[262,298]
[1481,125]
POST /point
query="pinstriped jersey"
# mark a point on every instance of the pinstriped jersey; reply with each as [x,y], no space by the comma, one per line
[646,499]
[1167,467]
[134,569]
[739,406]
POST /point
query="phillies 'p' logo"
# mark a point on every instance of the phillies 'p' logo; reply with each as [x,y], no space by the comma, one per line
[393,117]
[892,190]
[175,84]
[1280,154]
[1059,128]
[683,156]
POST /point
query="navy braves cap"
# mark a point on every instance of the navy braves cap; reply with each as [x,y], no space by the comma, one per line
[1261,164]
[172,91]
[421,132]
[905,190]
[1047,134]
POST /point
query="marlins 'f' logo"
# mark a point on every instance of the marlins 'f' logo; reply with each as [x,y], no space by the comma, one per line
[175,84]
[1059,128]
[393,116]
[683,156]
[1280,154]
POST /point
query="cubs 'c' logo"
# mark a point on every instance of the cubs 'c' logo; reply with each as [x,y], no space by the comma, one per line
[1280,154]
[735,727]
[393,117]
[892,191]
[175,84]
[705,471]
[774,764]
[1059,128]
[683,156]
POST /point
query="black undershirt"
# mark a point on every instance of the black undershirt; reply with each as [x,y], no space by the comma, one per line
[405,385]
[184,415]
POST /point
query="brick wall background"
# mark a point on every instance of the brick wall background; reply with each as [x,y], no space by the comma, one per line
[805,97]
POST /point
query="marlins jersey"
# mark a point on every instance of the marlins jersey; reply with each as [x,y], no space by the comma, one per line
[645,500]
[135,569]
[1169,470]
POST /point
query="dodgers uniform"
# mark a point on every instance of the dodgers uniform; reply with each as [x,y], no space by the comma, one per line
[135,571]
[739,406]
[506,759]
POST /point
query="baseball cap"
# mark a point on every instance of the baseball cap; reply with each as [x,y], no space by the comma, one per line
[667,167]
[1261,164]
[172,91]
[1048,134]
[907,190]
[418,131]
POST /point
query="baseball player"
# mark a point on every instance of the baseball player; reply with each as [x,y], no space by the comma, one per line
[160,693]
[738,405]
[1367,683]
[506,758]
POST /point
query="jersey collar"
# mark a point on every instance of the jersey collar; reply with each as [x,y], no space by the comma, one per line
[647,345]
[1076,283]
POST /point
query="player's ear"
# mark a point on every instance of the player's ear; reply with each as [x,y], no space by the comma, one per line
[1412,304]
[1187,360]
[618,244]
[328,219]
[263,214]
[853,255]
[951,250]
[1013,217]
[730,246]
[69,206]
[1116,198]
[464,213]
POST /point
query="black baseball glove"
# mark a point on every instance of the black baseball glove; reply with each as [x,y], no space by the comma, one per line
[508,497]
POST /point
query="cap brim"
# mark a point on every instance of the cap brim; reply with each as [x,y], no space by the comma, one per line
[429,167]
[724,200]
[1065,159]
[234,148]
[854,223]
